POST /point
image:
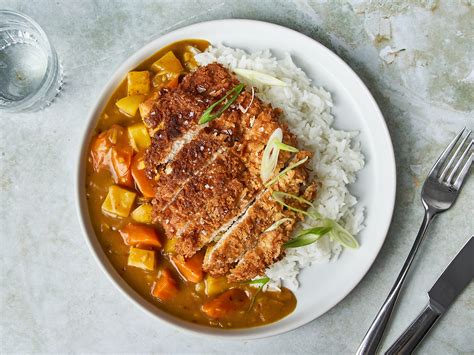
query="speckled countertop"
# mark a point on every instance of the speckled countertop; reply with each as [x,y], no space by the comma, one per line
[415,56]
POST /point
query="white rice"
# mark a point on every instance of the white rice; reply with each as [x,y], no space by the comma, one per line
[337,158]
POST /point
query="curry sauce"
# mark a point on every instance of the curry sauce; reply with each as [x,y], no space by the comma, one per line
[197,298]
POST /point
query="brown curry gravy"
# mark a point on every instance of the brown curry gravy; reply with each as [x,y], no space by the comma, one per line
[266,307]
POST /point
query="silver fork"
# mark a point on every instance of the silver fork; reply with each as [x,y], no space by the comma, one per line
[440,190]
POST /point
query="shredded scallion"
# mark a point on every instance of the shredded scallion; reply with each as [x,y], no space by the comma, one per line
[277,224]
[270,155]
[259,77]
[338,233]
[307,236]
[286,147]
[263,281]
[343,237]
[279,196]
[284,171]
[209,116]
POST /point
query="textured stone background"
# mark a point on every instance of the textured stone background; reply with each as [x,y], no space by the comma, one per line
[53,296]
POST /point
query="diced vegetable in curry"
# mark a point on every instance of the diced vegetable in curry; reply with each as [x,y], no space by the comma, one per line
[119,193]
[143,214]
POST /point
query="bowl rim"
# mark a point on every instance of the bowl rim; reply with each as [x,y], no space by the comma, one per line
[89,233]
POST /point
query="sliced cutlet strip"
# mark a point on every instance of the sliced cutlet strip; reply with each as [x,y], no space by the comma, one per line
[208,199]
[269,247]
[172,120]
[195,156]
[244,234]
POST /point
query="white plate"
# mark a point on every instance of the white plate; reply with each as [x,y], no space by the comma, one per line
[323,286]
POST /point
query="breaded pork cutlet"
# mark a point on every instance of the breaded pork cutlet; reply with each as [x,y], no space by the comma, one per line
[207,176]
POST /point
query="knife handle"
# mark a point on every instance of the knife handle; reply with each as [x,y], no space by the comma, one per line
[417,330]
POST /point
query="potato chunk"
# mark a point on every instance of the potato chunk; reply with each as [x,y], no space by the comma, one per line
[169,245]
[139,137]
[143,214]
[118,202]
[129,104]
[138,83]
[168,64]
[141,258]
[216,285]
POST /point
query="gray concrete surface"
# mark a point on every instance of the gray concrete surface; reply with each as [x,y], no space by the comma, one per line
[53,298]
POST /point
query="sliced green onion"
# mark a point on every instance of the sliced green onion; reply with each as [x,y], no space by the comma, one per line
[343,237]
[277,224]
[263,281]
[284,171]
[270,155]
[278,197]
[337,232]
[209,116]
[286,147]
[307,236]
[259,77]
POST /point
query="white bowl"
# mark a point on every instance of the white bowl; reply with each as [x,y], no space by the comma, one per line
[323,286]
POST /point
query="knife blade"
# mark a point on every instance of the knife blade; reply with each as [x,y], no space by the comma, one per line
[450,284]
[455,278]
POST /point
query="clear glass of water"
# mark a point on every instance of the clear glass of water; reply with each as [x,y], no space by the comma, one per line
[30,72]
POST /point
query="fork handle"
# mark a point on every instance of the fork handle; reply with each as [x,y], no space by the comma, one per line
[372,339]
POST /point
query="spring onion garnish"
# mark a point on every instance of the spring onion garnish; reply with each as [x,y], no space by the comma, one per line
[342,236]
[259,78]
[279,196]
[307,236]
[263,281]
[336,232]
[270,155]
[284,171]
[209,116]
[277,224]
[244,110]
[286,147]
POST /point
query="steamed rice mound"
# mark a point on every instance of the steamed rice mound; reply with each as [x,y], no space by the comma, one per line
[337,156]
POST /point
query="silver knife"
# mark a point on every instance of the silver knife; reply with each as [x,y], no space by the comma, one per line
[450,284]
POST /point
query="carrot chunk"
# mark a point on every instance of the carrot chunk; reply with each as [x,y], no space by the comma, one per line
[230,301]
[121,160]
[173,83]
[190,269]
[111,150]
[165,287]
[134,234]
[144,184]
[100,149]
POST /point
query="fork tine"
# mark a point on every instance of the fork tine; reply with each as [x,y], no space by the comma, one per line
[453,159]
[434,170]
[461,177]
[459,162]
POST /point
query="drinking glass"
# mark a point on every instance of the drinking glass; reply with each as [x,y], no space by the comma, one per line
[30,72]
